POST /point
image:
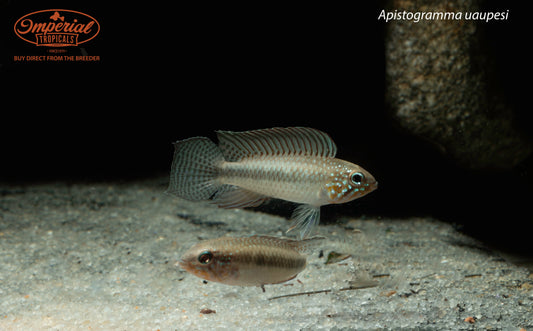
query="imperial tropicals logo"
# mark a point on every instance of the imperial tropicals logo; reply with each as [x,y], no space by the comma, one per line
[57,28]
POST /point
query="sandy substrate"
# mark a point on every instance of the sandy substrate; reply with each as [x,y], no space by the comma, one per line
[102,257]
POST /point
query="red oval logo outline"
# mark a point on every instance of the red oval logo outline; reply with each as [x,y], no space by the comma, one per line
[69,38]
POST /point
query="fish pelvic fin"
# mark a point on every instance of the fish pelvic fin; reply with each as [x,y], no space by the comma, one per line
[195,169]
[304,219]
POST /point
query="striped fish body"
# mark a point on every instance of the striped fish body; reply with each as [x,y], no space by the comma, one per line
[246,168]
[247,261]
[298,178]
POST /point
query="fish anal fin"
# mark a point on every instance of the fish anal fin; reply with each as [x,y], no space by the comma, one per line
[276,141]
[286,280]
[230,196]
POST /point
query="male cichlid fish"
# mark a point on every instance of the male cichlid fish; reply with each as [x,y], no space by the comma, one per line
[248,261]
[296,164]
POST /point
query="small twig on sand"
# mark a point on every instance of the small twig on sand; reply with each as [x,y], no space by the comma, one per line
[349,288]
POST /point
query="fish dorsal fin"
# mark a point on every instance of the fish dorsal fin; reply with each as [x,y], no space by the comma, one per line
[306,245]
[276,141]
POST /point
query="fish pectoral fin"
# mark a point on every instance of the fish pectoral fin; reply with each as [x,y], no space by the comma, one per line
[305,218]
[230,196]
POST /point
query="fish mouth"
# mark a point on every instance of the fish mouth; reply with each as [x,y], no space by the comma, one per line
[373,186]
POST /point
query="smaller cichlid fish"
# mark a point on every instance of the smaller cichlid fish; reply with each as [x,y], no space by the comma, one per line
[248,261]
[297,164]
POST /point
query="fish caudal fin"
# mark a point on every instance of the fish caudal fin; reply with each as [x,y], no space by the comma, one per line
[195,168]
[305,218]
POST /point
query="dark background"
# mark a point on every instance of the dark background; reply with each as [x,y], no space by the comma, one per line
[167,73]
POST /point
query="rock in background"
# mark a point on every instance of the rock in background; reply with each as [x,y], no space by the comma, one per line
[441,86]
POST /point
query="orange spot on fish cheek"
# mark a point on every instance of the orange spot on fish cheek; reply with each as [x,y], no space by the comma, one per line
[204,274]
[338,193]
[214,272]
[201,272]
[198,271]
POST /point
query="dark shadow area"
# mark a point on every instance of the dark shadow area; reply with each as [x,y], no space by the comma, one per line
[166,75]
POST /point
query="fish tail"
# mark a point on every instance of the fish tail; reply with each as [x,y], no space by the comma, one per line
[195,169]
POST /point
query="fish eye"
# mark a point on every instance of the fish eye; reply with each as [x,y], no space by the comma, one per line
[357,178]
[205,257]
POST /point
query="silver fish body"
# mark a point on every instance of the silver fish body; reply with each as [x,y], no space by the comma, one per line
[296,164]
[247,261]
[299,178]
